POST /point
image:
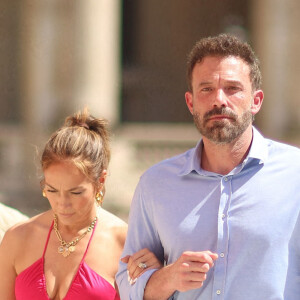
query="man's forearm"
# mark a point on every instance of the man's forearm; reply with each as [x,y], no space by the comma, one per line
[186,273]
[158,286]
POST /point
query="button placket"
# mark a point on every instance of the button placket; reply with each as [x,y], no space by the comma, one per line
[223,236]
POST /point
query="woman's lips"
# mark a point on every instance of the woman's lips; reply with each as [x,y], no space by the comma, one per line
[66,215]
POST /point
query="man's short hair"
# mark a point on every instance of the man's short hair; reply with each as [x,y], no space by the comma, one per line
[224,45]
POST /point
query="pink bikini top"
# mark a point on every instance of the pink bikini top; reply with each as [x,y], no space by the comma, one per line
[30,284]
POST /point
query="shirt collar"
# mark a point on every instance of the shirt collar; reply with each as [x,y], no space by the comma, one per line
[258,151]
[193,160]
[259,147]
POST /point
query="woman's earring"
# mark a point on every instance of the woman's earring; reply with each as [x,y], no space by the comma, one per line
[99,198]
[44,194]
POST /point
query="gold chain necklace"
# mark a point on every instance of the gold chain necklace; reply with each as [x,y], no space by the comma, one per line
[65,249]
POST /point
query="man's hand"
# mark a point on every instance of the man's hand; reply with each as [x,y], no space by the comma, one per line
[187,273]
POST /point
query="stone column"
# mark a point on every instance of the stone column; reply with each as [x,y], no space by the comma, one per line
[275,36]
[37,40]
[71,58]
[98,84]
[37,48]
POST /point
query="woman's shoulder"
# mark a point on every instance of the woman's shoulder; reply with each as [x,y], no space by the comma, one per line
[110,219]
[19,233]
[22,243]
[116,227]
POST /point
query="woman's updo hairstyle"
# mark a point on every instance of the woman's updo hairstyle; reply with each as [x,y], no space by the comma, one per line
[83,140]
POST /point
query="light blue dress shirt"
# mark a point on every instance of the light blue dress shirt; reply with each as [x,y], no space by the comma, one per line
[250,217]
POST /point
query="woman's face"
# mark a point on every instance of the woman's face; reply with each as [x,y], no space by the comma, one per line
[70,193]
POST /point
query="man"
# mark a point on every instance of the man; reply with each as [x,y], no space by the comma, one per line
[222,216]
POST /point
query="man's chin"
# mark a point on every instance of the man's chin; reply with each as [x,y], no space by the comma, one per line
[221,135]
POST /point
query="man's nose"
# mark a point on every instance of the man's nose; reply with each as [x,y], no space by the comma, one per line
[220,99]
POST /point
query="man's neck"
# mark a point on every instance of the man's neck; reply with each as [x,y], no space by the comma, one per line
[223,158]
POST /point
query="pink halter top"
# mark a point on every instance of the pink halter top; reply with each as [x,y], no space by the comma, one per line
[30,284]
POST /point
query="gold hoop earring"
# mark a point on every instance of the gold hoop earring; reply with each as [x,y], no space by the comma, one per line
[44,194]
[99,198]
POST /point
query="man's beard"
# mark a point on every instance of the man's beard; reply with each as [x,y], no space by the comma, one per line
[223,131]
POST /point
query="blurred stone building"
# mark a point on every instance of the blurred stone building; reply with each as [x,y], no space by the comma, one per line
[125,60]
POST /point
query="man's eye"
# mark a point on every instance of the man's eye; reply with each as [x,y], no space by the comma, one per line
[207,89]
[233,88]
[51,191]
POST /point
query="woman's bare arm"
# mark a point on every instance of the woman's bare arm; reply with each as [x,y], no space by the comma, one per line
[7,268]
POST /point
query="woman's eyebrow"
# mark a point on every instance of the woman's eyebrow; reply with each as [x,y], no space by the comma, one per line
[50,186]
[76,188]
[70,190]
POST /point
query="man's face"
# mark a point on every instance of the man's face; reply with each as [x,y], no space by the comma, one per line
[222,102]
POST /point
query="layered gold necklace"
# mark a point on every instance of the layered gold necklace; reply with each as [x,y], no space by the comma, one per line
[66,248]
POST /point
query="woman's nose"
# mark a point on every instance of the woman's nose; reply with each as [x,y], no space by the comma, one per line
[64,201]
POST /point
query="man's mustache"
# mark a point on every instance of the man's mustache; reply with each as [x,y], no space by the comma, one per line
[223,111]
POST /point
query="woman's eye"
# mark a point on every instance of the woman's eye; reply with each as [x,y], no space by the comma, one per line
[51,191]
[76,193]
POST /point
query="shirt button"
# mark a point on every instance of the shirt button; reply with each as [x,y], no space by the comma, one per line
[222,254]
[218,292]
[223,216]
[225,178]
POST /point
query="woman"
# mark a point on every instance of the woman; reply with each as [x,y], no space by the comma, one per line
[72,250]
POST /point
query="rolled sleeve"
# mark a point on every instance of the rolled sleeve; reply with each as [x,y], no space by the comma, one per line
[135,291]
[141,234]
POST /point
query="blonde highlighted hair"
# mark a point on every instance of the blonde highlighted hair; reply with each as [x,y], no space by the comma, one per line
[83,140]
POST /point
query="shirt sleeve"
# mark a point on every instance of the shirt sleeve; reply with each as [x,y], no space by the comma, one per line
[141,234]
[292,285]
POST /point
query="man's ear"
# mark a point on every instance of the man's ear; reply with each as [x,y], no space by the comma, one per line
[189,101]
[258,97]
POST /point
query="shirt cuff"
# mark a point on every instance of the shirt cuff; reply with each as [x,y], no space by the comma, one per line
[138,288]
